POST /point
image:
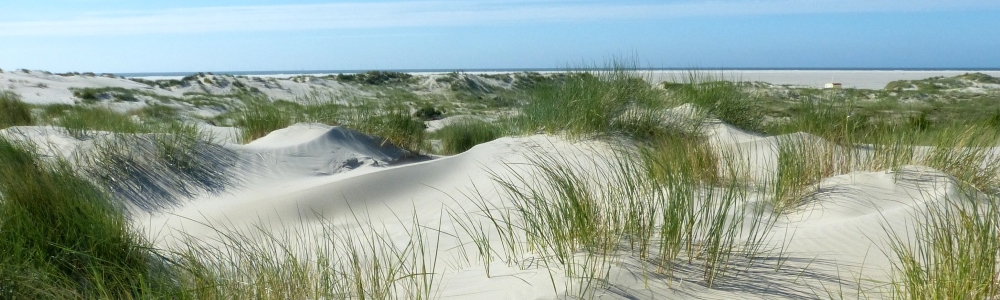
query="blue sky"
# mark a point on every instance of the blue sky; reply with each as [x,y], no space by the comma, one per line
[257,35]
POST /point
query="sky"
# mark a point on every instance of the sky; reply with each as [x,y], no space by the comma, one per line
[127,36]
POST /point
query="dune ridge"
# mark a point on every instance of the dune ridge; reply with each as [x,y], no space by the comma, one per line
[837,235]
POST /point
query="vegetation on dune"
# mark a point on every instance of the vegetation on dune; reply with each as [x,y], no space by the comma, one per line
[159,170]
[163,84]
[347,264]
[689,151]
[616,101]
[261,117]
[980,78]
[955,252]
[428,112]
[392,120]
[63,238]
[728,101]
[81,122]
[465,134]
[158,114]
[667,198]
[377,78]
[664,210]
[495,90]
[322,111]
[832,120]
[394,124]
[938,84]
[967,154]
[13,112]
[91,95]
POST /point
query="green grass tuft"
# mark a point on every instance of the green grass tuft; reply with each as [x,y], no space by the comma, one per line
[658,209]
[955,253]
[159,113]
[615,101]
[61,237]
[377,78]
[728,101]
[80,121]
[13,112]
[463,135]
[394,124]
[261,117]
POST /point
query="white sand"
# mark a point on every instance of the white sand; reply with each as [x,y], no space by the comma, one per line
[305,177]
[40,88]
[830,241]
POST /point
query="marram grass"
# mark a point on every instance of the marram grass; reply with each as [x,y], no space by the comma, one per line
[955,252]
[13,112]
[618,204]
[615,101]
[260,117]
[465,134]
[62,237]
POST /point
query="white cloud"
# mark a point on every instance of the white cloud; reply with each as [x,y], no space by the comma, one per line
[440,13]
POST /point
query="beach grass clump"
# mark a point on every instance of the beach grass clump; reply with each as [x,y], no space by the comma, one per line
[465,134]
[13,112]
[967,154]
[707,195]
[159,170]
[962,151]
[260,117]
[614,101]
[377,78]
[562,216]
[680,150]
[158,113]
[955,252]
[890,150]
[62,237]
[993,120]
[428,112]
[731,102]
[327,111]
[658,210]
[334,263]
[832,119]
[192,155]
[393,123]
[81,122]
[802,162]
[92,95]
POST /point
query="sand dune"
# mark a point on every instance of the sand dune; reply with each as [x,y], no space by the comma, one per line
[837,236]
[296,185]
[308,177]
